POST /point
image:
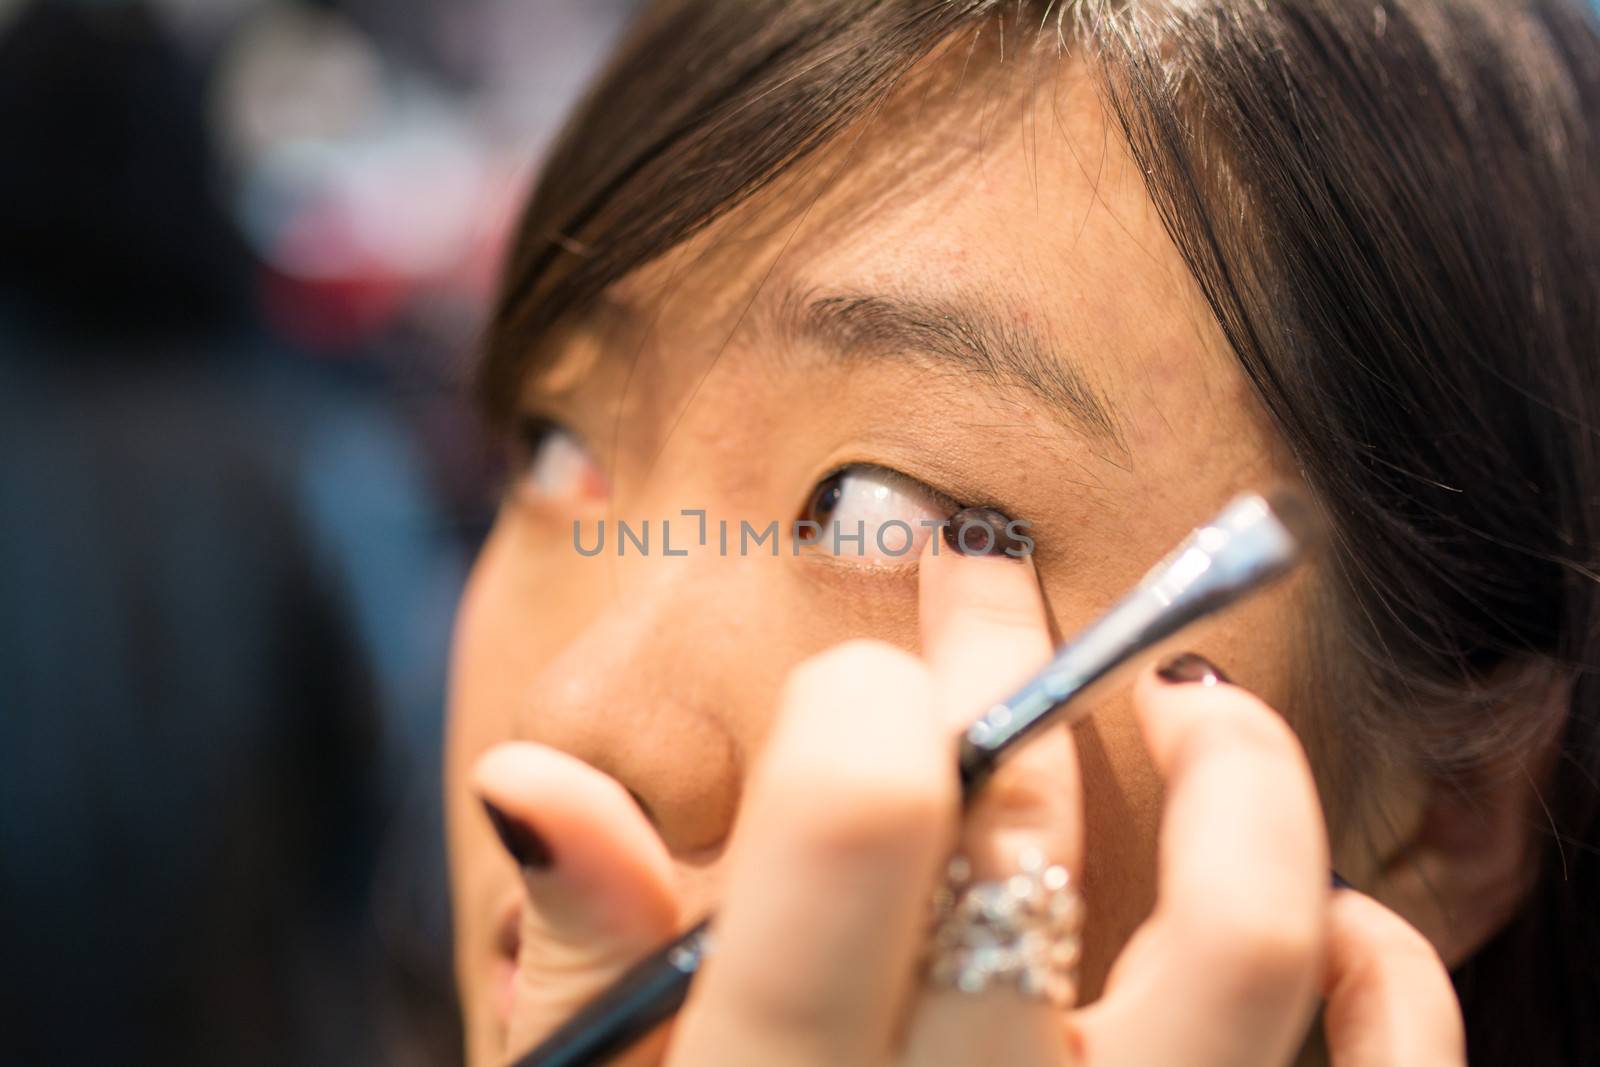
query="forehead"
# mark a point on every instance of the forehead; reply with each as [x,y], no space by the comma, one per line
[979,176]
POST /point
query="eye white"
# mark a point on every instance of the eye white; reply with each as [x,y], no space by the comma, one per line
[892,514]
[561,468]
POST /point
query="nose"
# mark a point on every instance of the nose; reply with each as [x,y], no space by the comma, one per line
[658,688]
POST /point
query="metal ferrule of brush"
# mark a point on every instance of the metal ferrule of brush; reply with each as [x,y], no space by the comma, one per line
[1249,542]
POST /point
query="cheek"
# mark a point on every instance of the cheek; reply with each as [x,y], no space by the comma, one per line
[512,617]
[487,651]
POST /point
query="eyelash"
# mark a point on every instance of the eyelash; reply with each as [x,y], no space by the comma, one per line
[529,433]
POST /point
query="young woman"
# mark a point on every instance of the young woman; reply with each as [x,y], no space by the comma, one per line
[1097,267]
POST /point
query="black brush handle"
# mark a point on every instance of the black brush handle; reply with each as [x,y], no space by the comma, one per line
[646,996]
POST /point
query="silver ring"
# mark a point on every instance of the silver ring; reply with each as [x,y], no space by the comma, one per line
[1022,933]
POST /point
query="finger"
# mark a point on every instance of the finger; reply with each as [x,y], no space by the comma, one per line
[847,817]
[599,883]
[984,633]
[1389,999]
[1225,970]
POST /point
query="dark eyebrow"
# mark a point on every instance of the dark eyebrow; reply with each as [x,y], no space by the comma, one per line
[962,333]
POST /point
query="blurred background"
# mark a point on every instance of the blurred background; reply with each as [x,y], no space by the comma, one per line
[245,250]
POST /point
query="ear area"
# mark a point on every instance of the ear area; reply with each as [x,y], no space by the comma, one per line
[1472,857]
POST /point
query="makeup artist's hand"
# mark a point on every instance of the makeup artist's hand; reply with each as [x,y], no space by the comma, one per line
[846,823]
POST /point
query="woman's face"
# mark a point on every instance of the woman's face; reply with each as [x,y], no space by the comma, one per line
[971,302]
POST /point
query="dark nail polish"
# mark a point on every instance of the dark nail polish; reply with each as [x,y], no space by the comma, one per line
[1189,667]
[1339,882]
[519,839]
[984,532]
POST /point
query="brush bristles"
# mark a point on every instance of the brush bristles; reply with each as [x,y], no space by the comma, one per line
[1297,515]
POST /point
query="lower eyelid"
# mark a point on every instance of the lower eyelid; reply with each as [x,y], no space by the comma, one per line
[862,546]
[852,568]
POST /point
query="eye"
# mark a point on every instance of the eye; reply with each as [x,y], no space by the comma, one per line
[553,465]
[873,513]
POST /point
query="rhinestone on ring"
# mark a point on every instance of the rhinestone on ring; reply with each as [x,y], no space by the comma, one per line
[1022,933]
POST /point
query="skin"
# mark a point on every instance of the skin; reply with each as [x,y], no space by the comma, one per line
[706,686]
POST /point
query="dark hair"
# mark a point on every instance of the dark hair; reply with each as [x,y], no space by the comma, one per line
[1393,211]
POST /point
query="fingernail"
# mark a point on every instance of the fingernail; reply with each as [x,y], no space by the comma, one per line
[985,532]
[1189,667]
[1339,882]
[519,839]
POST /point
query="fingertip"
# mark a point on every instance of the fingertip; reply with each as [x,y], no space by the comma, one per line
[541,800]
[525,778]
[966,599]
[1191,668]
[1364,932]
[853,687]
[1389,995]
[1238,781]
[1187,698]
[864,707]
[500,768]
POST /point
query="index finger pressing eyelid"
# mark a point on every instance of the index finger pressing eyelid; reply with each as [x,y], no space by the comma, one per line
[985,633]
[984,630]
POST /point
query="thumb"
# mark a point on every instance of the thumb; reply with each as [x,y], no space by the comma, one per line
[599,883]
